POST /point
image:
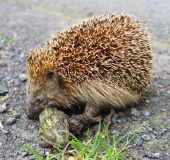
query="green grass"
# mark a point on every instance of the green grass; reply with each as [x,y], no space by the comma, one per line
[167,41]
[100,147]
[10,113]
[8,40]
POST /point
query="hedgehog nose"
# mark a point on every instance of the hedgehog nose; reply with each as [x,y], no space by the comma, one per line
[39,99]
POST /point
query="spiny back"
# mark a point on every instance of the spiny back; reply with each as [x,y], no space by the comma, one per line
[113,49]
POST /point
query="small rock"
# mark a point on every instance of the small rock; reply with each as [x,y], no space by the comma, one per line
[117,134]
[119,121]
[14,137]
[42,153]
[32,127]
[149,154]
[0,144]
[147,101]
[168,121]
[16,115]
[135,112]
[168,92]
[3,91]
[32,157]
[146,137]
[10,120]
[23,154]
[138,141]
[156,155]
[114,119]
[146,113]
[167,146]
[3,107]
[23,77]
[163,110]
[149,129]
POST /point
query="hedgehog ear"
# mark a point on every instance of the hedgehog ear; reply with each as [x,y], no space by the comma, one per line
[51,75]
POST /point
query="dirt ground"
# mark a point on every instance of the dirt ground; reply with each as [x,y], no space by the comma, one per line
[25,25]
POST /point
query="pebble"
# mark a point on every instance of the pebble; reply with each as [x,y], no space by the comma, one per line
[138,141]
[117,134]
[23,77]
[149,129]
[32,127]
[119,121]
[32,158]
[167,146]
[149,154]
[152,155]
[168,92]
[42,152]
[163,110]
[3,107]
[10,120]
[147,101]
[3,91]
[146,113]
[156,155]
[146,137]
[168,121]
[23,154]
[135,112]
[114,119]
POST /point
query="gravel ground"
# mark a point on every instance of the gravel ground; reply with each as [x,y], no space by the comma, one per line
[25,25]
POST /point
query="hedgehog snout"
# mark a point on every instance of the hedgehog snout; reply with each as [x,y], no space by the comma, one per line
[35,106]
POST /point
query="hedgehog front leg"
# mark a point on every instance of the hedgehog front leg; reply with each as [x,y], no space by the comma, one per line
[91,110]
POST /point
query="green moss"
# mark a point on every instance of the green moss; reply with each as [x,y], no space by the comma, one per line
[8,40]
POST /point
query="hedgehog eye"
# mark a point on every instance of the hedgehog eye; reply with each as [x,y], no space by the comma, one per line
[50,74]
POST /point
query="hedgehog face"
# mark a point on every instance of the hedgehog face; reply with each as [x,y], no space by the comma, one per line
[39,96]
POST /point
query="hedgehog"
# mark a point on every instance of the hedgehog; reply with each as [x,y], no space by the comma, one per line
[104,62]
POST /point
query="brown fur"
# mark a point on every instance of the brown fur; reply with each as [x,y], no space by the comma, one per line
[104,62]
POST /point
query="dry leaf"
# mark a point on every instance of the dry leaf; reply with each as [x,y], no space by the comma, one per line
[3,98]
[72,158]
[108,117]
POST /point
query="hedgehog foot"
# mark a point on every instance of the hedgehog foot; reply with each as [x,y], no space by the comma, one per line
[91,110]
